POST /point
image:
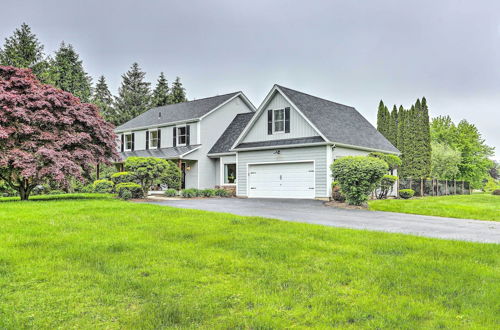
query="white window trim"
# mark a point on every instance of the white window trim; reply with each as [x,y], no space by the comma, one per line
[151,140]
[223,174]
[177,135]
[125,141]
[274,122]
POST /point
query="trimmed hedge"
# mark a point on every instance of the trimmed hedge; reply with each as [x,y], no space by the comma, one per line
[386,185]
[170,193]
[190,193]
[221,193]
[406,193]
[103,186]
[122,177]
[127,190]
[207,192]
[358,176]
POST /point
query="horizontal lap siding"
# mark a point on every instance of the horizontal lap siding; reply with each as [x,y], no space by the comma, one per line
[318,154]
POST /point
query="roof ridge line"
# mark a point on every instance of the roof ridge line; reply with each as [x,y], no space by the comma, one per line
[317,97]
[203,98]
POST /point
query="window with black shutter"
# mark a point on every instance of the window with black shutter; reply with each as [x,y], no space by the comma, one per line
[174,129]
[188,135]
[287,120]
[269,122]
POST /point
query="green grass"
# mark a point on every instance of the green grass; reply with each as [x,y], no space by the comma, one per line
[476,206]
[106,263]
[57,197]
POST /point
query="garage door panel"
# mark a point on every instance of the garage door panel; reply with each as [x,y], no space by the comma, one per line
[286,180]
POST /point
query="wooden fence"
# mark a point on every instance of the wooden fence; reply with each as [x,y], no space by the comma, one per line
[434,187]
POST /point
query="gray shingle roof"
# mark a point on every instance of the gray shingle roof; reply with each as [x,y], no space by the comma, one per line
[176,112]
[227,139]
[337,122]
[284,142]
[167,153]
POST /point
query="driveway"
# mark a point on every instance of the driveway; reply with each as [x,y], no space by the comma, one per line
[313,211]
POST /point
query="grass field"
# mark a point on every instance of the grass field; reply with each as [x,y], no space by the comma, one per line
[476,206]
[106,263]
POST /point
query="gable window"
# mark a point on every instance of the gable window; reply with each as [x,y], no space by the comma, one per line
[229,173]
[279,120]
[181,135]
[153,139]
[129,142]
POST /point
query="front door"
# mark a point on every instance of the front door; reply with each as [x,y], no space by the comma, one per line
[183,171]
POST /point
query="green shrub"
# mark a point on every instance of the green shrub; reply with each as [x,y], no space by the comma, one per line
[406,193]
[87,189]
[358,176]
[386,185]
[125,194]
[491,185]
[337,193]
[392,161]
[56,192]
[173,176]
[170,192]
[496,192]
[190,193]
[122,177]
[134,189]
[103,186]
[221,193]
[207,192]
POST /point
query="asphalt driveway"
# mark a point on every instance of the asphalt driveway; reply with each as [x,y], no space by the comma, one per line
[315,212]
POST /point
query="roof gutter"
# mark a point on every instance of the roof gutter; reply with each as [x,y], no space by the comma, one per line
[172,123]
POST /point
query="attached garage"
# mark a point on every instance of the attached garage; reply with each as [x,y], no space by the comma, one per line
[282,180]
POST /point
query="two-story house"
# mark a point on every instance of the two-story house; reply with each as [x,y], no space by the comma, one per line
[282,149]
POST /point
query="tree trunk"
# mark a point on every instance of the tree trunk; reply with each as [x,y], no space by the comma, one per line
[24,190]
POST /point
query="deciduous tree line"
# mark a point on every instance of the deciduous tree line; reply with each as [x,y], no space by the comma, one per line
[438,148]
[65,71]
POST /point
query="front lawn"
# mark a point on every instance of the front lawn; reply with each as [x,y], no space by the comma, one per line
[476,206]
[106,263]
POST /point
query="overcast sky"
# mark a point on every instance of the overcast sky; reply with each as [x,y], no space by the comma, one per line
[351,52]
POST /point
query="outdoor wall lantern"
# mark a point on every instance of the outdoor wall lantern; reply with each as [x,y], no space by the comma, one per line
[277,152]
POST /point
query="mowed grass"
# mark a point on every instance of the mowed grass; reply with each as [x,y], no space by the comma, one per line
[476,206]
[106,263]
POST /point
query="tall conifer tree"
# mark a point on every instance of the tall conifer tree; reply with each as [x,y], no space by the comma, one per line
[178,93]
[104,100]
[23,50]
[134,95]
[161,93]
[383,119]
[67,73]
[393,127]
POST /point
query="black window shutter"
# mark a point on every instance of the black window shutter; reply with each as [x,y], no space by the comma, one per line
[147,140]
[159,138]
[287,120]
[175,136]
[187,134]
[123,142]
[133,141]
[269,122]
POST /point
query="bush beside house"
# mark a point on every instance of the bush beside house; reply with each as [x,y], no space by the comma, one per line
[358,176]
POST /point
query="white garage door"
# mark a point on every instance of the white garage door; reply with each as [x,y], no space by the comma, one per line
[285,180]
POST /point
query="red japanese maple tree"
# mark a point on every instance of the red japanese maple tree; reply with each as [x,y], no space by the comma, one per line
[47,134]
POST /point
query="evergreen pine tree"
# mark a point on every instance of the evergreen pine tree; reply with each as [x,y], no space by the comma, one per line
[67,73]
[178,93]
[402,140]
[393,127]
[134,95]
[161,92]
[23,50]
[104,100]
[426,132]
[383,119]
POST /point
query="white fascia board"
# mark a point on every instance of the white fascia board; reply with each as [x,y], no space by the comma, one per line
[172,123]
[364,148]
[288,146]
[216,155]
[190,151]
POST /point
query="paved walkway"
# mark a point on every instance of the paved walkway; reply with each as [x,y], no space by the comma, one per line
[313,211]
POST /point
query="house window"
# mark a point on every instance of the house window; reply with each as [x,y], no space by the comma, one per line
[128,142]
[153,139]
[279,120]
[181,135]
[229,173]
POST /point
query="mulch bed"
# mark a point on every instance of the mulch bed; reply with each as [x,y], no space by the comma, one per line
[345,206]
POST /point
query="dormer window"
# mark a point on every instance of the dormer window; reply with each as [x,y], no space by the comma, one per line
[279,120]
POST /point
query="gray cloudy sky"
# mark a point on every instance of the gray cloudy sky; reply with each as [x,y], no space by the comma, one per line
[352,52]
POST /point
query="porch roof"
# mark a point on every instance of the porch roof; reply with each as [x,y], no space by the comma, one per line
[167,153]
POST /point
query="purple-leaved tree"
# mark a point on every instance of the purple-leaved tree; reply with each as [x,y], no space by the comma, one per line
[47,134]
